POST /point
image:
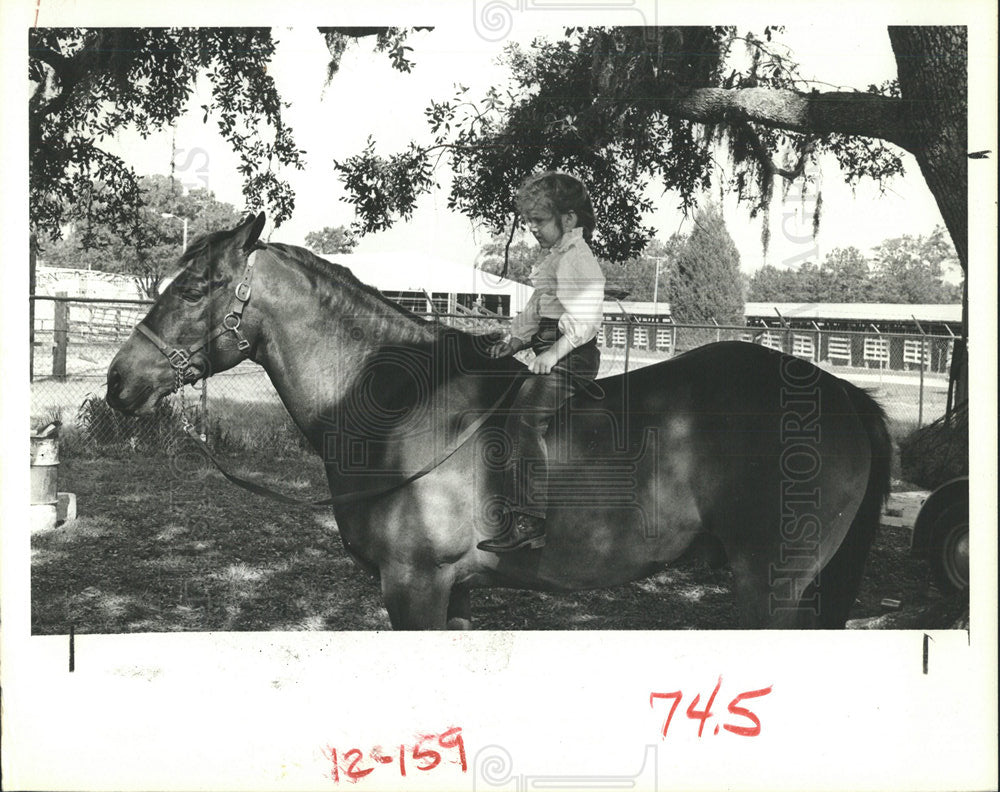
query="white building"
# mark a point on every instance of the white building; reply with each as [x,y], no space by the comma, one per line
[50,281]
[428,283]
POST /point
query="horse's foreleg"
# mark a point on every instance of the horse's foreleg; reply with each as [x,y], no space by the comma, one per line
[416,599]
[460,609]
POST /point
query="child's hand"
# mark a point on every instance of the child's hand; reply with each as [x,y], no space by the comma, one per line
[543,363]
[506,348]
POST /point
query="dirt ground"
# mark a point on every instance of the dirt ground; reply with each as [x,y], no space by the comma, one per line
[163,545]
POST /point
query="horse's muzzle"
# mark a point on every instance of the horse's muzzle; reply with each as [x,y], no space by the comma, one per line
[129,404]
[114,386]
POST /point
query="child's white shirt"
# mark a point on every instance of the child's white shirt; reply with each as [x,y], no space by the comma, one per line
[569,287]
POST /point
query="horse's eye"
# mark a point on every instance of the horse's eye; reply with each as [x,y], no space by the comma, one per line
[191,295]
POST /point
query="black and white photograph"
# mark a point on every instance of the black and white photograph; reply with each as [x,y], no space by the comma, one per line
[637,355]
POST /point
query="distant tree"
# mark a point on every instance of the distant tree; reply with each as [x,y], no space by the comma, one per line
[807,286]
[331,240]
[705,282]
[845,276]
[638,277]
[908,269]
[150,250]
[521,258]
[770,284]
[905,269]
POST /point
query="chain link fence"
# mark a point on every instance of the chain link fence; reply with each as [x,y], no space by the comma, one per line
[75,339]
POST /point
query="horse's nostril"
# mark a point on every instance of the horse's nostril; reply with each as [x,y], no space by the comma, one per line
[114,381]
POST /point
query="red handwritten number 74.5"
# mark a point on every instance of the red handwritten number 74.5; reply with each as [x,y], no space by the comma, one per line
[705,714]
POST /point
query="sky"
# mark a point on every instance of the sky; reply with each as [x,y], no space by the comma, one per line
[369,98]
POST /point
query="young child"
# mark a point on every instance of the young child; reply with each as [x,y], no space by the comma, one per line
[560,323]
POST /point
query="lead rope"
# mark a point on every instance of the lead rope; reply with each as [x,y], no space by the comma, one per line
[352,497]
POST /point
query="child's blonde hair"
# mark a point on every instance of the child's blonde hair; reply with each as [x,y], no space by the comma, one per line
[560,193]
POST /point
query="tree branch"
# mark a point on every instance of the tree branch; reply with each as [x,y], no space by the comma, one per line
[354,32]
[840,112]
[764,156]
[363,32]
[69,72]
[60,64]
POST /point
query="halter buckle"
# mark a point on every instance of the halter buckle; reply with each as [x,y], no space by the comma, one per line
[179,359]
[243,291]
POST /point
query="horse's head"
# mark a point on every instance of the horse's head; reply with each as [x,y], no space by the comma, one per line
[194,328]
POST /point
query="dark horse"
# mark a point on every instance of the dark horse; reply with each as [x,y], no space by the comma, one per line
[785,465]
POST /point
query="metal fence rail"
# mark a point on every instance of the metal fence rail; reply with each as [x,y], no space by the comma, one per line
[75,340]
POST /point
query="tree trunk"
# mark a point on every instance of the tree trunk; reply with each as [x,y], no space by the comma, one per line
[932,65]
[932,70]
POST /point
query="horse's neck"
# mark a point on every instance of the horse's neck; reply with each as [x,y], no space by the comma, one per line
[313,342]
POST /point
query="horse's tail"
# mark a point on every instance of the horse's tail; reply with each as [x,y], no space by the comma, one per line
[840,579]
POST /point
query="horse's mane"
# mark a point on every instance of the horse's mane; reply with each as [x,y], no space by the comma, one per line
[448,353]
[204,242]
[467,351]
[333,273]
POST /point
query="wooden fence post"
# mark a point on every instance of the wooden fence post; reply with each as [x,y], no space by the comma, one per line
[60,336]
[786,345]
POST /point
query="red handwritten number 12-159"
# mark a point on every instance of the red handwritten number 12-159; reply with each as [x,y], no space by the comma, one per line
[750,728]
[420,756]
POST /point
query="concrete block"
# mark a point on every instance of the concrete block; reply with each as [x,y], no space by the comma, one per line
[66,507]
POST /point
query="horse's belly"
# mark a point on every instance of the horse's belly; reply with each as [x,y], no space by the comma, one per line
[596,544]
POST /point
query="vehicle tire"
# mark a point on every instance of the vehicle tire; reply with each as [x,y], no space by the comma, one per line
[949,555]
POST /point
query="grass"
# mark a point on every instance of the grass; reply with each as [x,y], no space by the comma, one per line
[157,551]
[91,428]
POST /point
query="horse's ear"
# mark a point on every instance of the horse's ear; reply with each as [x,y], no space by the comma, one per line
[250,231]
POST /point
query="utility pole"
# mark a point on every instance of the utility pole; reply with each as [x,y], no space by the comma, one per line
[184,238]
[656,286]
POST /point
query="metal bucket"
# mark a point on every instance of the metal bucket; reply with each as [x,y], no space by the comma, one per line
[45,477]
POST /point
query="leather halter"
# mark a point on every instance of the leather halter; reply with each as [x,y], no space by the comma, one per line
[180,359]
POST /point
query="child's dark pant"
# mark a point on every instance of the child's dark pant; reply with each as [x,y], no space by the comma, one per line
[540,396]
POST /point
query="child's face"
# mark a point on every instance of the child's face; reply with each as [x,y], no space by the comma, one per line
[547,226]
